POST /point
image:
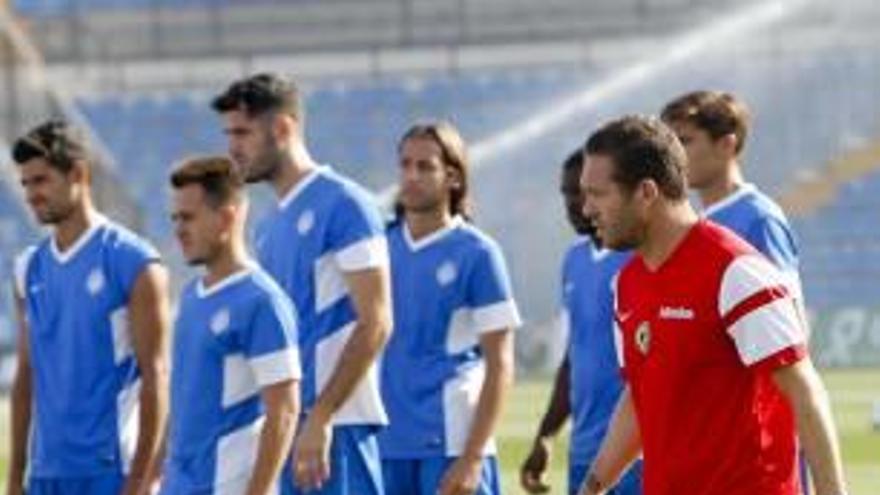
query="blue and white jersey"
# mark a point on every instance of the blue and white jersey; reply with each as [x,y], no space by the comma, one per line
[230,340]
[85,377]
[448,288]
[324,227]
[762,223]
[587,316]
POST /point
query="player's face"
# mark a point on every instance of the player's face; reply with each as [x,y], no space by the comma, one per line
[610,208]
[198,226]
[707,157]
[252,145]
[425,180]
[574,201]
[50,193]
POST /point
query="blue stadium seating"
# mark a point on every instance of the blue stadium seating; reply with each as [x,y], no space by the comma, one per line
[798,123]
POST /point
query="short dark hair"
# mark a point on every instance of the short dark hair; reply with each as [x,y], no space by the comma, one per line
[716,112]
[574,162]
[261,94]
[642,148]
[217,176]
[58,142]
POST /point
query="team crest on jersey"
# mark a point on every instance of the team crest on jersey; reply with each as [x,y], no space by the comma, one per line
[305,222]
[95,281]
[446,273]
[643,337]
[220,321]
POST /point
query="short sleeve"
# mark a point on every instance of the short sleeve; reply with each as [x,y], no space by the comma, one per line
[489,293]
[357,234]
[760,314]
[131,255]
[20,268]
[271,342]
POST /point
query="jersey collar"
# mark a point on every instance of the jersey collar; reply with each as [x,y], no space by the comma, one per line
[432,237]
[230,279]
[303,183]
[741,192]
[97,221]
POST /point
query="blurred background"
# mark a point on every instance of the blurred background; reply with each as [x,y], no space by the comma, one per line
[526,82]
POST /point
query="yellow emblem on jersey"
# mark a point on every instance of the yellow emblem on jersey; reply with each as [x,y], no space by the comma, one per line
[643,337]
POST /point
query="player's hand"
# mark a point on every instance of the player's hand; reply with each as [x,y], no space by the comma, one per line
[533,472]
[462,477]
[311,454]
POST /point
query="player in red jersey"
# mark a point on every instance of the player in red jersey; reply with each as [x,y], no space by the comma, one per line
[711,346]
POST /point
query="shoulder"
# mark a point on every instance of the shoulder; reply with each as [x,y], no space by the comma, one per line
[119,237]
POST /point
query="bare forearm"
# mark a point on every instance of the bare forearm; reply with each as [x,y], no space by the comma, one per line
[21,419]
[499,377]
[358,355]
[815,426]
[559,408]
[275,441]
[153,415]
[621,445]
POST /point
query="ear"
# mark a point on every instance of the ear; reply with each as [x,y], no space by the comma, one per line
[728,143]
[648,192]
[79,173]
[453,177]
[283,127]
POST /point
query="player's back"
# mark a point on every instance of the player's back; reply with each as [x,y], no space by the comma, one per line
[701,335]
[83,367]
[588,315]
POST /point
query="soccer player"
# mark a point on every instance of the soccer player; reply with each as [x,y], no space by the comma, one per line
[89,396]
[588,383]
[448,366]
[712,347]
[325,246]
[235,374]
[712,126]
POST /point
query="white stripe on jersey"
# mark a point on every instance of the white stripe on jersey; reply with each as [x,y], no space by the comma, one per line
[744,277]
[766,330]
[368,253]
[276,367]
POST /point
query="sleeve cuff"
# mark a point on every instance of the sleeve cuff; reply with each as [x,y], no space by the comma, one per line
[276,367]
[368,253]
[498,316]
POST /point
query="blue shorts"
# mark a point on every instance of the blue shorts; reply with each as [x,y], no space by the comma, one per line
[103,484]
[630,483]
[423,476]
[355,468]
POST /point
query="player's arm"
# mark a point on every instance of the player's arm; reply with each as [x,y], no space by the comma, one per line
[281,402]
[464,474]
[620,447]
[803,387]
[369,290]
[20,404]
[149,320]
[558,410]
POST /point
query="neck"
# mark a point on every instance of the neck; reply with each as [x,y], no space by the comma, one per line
[232,258]
[421,224]
[295,166]
[78,222]
[722,187]
[666,232]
